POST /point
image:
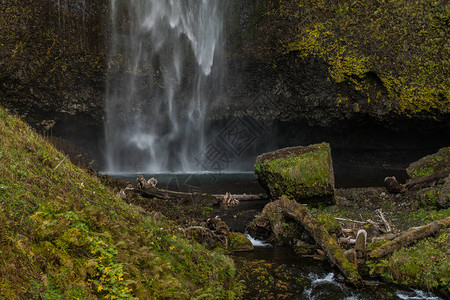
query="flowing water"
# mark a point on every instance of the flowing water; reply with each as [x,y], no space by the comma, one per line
[323,283]
[165,70]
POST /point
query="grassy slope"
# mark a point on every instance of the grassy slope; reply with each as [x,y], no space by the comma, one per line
[64,235]
[405,43]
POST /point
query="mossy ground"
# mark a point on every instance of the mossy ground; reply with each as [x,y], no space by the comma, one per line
[65,236]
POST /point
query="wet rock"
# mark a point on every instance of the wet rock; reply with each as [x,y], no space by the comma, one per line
[238,242]
[431,165]
[304,173]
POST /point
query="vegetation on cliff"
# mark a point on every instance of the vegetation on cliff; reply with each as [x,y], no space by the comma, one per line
[64,235]
[394,52]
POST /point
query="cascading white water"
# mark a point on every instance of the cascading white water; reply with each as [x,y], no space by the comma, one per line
[163,77]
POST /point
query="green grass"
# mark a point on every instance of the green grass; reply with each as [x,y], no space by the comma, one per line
[65,236]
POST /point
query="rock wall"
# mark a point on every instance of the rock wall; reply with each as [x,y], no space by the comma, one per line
[344,64]
[52,64]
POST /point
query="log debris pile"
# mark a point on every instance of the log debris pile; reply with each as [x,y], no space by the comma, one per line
[409,237]
[335,254]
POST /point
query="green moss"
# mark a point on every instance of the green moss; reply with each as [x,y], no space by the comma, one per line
[424,265]
[239,242]
[63,234]
[299,174]
[405,43]
[431,164]
[330,223]
[428,197]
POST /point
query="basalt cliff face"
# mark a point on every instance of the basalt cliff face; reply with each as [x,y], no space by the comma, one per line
[358,74]
[380,59]
[52,64]
[343,71]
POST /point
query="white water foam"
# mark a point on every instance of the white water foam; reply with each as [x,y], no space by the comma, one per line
[257,243]
[417,295]
[319,281]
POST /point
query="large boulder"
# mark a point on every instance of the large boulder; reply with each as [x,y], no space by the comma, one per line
[431,165]
[302,173]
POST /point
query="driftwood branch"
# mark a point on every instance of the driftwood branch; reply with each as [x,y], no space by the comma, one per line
[385,222]
[293,210]
[409,237]
[60,163]
[351,221]
[184,197]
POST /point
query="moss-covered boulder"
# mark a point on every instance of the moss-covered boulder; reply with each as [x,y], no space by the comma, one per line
[300,173]
[431,165]
[238,242]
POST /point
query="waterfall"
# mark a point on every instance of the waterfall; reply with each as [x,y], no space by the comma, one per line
[164,73]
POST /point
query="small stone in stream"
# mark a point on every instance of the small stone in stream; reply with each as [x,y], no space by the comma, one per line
[361,240]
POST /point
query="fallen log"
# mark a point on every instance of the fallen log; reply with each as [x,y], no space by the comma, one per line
[184,197]
[425,181]
[412,235]
[296,211]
